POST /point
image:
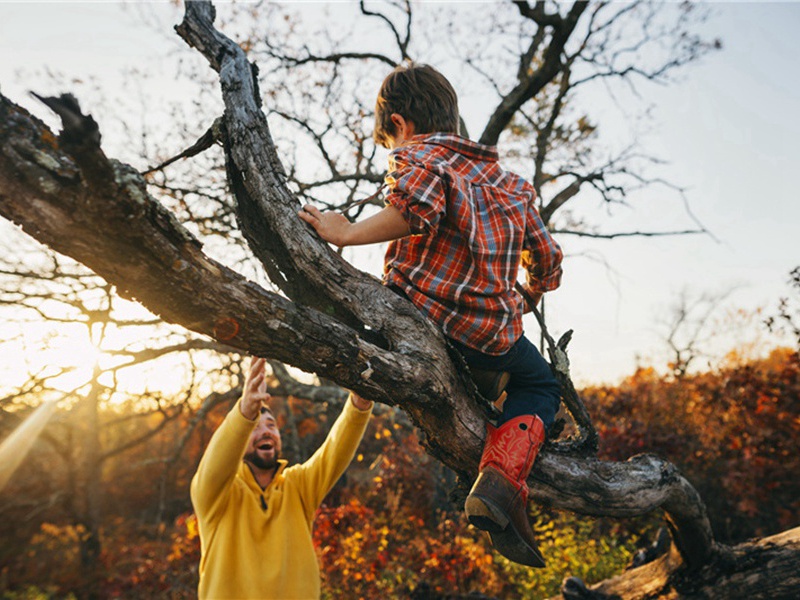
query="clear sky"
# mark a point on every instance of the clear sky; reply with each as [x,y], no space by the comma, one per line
[729,130]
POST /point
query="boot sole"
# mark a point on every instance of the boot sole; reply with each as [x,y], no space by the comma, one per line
[509,543]
[485,514]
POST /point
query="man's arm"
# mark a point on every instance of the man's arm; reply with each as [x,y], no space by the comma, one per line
[226,449]
[320,472]
[335,228]
[360,403]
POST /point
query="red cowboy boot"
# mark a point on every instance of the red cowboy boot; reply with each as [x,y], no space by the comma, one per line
[499,499]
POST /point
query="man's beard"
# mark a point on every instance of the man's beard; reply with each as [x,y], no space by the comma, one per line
[262,463]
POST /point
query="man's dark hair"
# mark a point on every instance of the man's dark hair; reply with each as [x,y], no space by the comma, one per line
[420,94]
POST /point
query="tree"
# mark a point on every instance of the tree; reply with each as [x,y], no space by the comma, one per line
[330,318]
[88,432]
[689,328]
[787,319]
[542,66]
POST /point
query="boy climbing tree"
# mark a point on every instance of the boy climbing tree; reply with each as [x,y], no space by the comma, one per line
[459,228]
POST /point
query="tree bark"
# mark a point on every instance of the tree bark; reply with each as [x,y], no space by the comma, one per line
[336,321]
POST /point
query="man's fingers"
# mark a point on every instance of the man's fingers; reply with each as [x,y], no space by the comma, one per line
[257,363]
[256,375]
[262,384]
[260,398]
[251,392]
[256,380]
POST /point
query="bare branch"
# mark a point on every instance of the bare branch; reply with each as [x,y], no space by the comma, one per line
[401,40]
[611,236]
[530,83]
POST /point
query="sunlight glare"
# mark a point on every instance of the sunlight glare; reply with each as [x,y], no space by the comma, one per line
[76,356]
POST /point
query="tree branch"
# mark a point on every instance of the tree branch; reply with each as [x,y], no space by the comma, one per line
[531,83]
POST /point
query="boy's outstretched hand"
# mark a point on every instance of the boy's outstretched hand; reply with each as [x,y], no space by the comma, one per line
[332,227]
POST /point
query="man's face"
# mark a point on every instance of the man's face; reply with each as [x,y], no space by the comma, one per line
[264,448]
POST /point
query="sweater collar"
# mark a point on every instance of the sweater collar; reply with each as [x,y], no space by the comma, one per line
[247,475]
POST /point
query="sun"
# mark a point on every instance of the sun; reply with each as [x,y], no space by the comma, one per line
[78,357]
[70,354]
[65,354]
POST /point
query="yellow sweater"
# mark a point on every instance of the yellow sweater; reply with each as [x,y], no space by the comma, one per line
[257,543]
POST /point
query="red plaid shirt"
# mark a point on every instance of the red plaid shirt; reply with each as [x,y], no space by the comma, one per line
[473,224]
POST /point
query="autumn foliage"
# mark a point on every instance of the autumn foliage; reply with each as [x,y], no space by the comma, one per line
[389,529]
[733,432]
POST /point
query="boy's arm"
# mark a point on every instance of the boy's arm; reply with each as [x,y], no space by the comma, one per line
[332,227]
[414,205]
[541,256]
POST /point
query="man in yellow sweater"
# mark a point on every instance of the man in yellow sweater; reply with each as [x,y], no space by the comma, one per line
[255,515]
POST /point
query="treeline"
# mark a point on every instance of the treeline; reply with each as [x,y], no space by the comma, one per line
[734,433]
[389,529]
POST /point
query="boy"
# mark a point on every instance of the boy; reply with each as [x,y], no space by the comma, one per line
[459,228]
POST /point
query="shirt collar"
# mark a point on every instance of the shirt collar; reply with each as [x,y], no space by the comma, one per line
[455,143]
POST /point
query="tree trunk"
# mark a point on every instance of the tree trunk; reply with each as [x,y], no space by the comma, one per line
[90,490]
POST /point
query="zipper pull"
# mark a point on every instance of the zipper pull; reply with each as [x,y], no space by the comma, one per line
[263,503]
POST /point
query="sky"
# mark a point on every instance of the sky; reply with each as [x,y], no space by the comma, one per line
[728,130]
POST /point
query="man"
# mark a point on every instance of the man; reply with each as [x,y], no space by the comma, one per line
[255,515]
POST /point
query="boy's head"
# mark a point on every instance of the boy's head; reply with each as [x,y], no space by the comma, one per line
[420,95]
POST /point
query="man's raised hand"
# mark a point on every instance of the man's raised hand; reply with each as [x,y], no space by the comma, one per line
[255,393]
[359,402]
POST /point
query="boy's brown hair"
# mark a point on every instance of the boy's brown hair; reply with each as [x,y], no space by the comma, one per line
[420,94]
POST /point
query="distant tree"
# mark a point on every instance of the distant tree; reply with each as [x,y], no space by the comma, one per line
[85,434]
[787,319]
[690,327]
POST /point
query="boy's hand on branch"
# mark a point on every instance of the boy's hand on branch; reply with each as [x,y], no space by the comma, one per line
[255,390]
[534,297]
[386,225]
[332,227]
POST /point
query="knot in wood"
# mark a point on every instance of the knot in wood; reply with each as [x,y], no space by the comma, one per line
[226,329]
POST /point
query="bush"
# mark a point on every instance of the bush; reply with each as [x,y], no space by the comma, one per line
[733,432]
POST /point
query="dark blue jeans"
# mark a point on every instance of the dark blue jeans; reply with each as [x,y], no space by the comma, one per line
[532,389]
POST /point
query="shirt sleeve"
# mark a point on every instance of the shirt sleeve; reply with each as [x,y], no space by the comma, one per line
[541,255]
[319,473]
[417,192]
[220,462]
